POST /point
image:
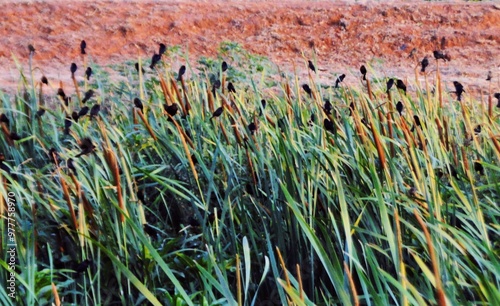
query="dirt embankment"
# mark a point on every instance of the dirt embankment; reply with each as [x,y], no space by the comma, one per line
[343,35]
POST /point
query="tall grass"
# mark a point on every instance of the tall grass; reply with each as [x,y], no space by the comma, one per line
[185,209]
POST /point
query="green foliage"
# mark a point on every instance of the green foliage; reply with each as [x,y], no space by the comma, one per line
[207,211]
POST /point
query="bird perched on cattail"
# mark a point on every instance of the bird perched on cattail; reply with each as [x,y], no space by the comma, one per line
[94,111]
[182,70]
[329,126]
[71,165]
[489,76]
[74,116]
[217,112]
[162,49]
[89,94]
[88,73]
[83,45]
[416,123]
[73,69]
[171,109]
[424,63]
[216,85]
[154,60]
[40,112]
[224,66]
[459,90]
[15,136]
[441,55]
[399,107]
[137,68]
[31,48]
[390,82]
[60,92]
[44,80]
[230,87]
[477,130]
[86,146]
[83,111]
[401,85]
[497,96]
[327,107]
[311,66]
[263,104]
[363,71]
[252,127]
[339,80]
[307,89]
[138,104]
[67,124]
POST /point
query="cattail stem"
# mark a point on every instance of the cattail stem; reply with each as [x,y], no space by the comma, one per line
[238,281]
[440,295]
[391,134]
[351,284]
[148,127]
[299,279]
[402,267]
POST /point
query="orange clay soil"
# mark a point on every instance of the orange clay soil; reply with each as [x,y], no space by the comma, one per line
[343,35]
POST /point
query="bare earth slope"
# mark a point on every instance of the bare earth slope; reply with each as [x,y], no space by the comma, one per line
[343,35]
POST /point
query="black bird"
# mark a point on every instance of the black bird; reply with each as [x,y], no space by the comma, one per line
[311,66]
[252,128]
[329,126]
[217,112]
[182,70]
[339,80]
[489,76]
[399,107]
[171,109]
[154,60]
[81,267]
[88,95]
[83,111]
[44,80]
[3,118]
[83,45]
[424,63]
[312,119]
[263,103]
[70,165]
[477,129]
[60,92]
[137,68]
[31,48]
[230,87]
[459,90]
[67,124]
[390,82]
[163,49]
[88,73]
[401,85]
[86,146]
[40,112]
[216,85]
[441,55]
[328,107]
[224,66]
[478,167]
[74,116]
[417,122]
[307,89]
[15,136]
[73,68]
[138,104]
[497,96]
[94,111]
[363,71]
